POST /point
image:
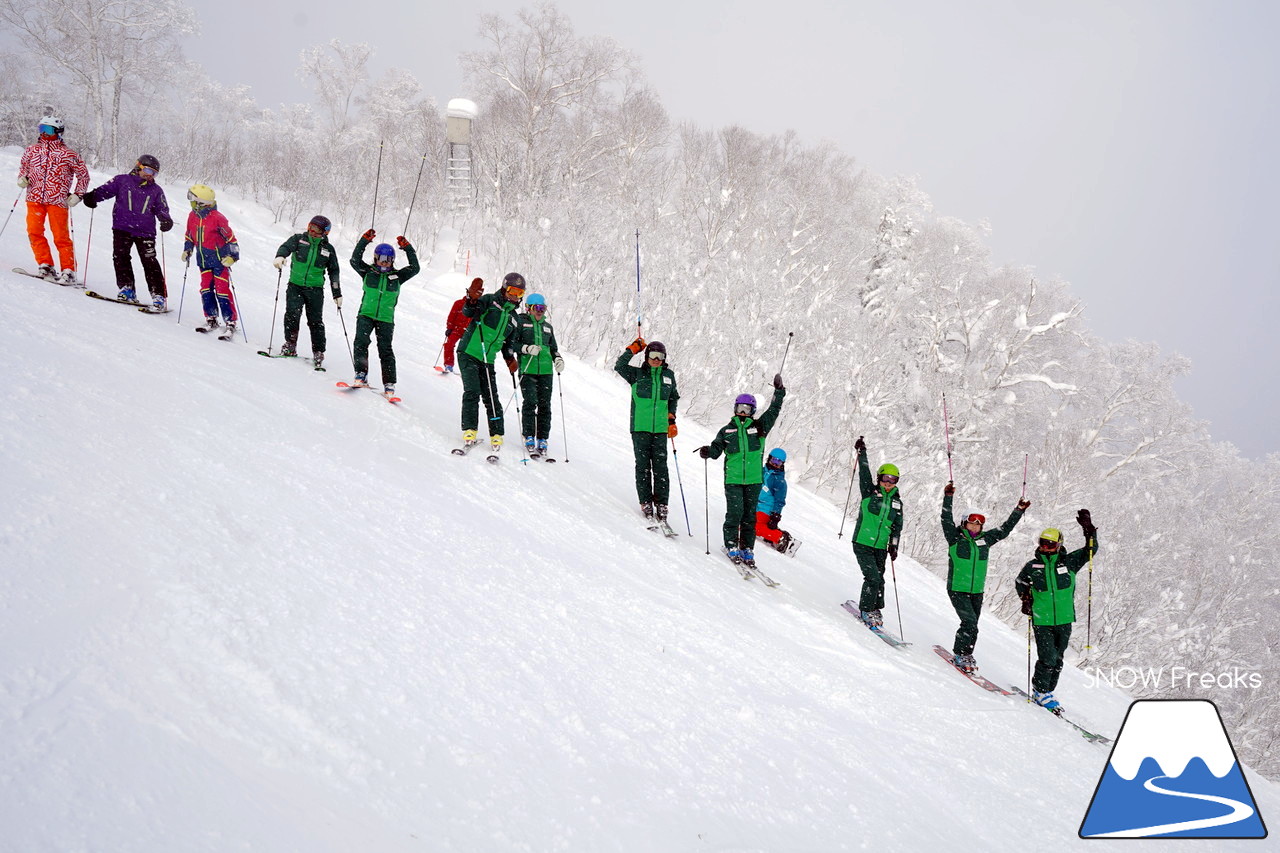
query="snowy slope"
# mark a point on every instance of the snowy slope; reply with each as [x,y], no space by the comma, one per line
[246,611]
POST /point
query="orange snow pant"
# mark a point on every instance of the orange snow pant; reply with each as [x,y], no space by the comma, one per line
[58,218]
[764,531]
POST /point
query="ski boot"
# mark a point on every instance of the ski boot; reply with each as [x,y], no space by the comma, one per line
[231,328]
[1046,700]
[159,303]
[468,438]
[965,663]
[646,509]
[68,278]
[46,271]
[127,294]
[531,445]
[748,557]
[873,618]
[211,323]
[289,350]
[542,447]
[362,381]
[388,390]
[317,358]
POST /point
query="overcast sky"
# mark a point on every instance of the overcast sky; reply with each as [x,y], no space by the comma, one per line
[1129,148]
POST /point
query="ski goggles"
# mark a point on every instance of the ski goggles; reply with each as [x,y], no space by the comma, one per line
[147,171]
[538,308]
[383,261]
[196,200]
[515,292]
[48,130]
[976,518]
[888,478]
[1048,545]
[745,409]
[656,356]
[315,231]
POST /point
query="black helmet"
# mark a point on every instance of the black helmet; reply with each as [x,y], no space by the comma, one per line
[514,279]
[149,161]
[655,346]
[321,222]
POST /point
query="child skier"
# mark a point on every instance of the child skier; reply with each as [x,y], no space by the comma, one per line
[742,442]
[967,569]
[876,534]
[455,325]
[654,397]
[313,257]
[209,236]
[491,332]
[46,172]
[377,314]
[535,340]
[140,203]
[773,497]
[1047,587]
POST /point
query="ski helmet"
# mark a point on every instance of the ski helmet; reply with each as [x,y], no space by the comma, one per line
[535,299]
[779,454]
[655,346]
[383,250]
[887,468]
[58,125]
[744,400]
[200,196]
[1051,534]
[514,279]
[323,223]
[149,161]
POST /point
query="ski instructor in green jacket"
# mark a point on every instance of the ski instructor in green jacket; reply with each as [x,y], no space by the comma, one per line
[654,397]
[382,282]
[313,257]
[877,532]
[492,330]
[742,443]
[967,570]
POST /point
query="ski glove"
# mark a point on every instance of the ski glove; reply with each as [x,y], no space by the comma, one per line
[893,551]
[186,256]
[672,432]
[559,363]
[227,261]
[90,200]
[512,364]
[777,382]
[636,345]
[1026,604]
[1086,523]
[476,288]
[164,226]
[278,263]
[704,452]
[1024,504]
[949,489]
[369,235]
[775,518]
[337,302]
[72,200]
[531,349]
[402,242]
[23,182]
[860,446]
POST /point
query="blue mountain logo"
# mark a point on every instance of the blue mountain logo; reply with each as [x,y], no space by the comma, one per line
[1173,773]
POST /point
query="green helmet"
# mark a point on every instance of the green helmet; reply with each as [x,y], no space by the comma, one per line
[887,468]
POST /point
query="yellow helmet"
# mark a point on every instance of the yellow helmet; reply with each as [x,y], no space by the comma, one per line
[200,196]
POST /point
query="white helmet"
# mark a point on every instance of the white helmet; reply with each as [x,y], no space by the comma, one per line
[54,122]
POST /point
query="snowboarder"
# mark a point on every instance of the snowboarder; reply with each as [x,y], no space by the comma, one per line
[313,257]
[492,331]
[1047,587]
[535,340]
[140,203]
[46,172]
[382,283]
[876,534]
[773,497]
[742,442]
[210,238]
[654,397]
[970,547]
[455,325]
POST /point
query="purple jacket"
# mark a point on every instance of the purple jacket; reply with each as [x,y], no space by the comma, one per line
[139,204]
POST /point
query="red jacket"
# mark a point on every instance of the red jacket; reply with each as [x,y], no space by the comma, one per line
[457,322]
[50,166]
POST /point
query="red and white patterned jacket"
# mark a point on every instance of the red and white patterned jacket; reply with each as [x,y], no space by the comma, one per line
[50,166]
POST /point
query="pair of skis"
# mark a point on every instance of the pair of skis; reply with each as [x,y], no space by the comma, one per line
[492,458]
[345,386]
[878,630]
[21,271]
[749,570]
[141,306]
[303,359]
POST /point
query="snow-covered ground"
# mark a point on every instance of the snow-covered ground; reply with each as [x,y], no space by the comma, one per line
[243,610]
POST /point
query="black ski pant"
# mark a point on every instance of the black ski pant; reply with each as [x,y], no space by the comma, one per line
[535,393]
[871,561]
[365,329]
[740,515]
[479,382]
[1051,646]
[312,299]
[968,607]
[122,243]
[653,483]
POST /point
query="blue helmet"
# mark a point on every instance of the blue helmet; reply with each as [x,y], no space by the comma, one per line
[779,454]
[534,299]
[384,250]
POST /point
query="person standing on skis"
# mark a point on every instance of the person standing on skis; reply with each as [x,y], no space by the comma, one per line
[140,203]
[377,314]
[876,534]
[970,548]
[313,256]
[210,239]
[539,356]
[654,397]
[492,331]
[742,443]
[456,324]
[1047,587]
[46,172]
[773,497]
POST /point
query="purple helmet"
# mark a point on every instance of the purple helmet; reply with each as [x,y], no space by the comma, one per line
[744,400]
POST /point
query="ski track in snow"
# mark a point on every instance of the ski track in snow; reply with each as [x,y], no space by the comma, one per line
[245,610]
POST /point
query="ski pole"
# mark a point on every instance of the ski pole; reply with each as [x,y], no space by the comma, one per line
[676,458]
[1025,457]
[272,337]
[415,195]
[564,430]
[790,335]
[1088,631]
[439,355]
[88,241]
[706,501]
[848,498]
[894,570]
[946,431]
[236,304]
[11,210]
[1028,658]
[376,180]
[519,417]
[186,268]
[639,303]
[350,355]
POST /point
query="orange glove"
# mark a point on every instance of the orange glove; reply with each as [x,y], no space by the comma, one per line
[476,288]
[636,345]
[402,242]
[671,426]
[369,235]
[512,364]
